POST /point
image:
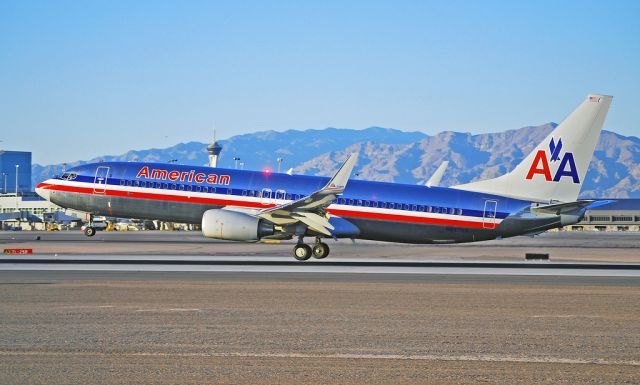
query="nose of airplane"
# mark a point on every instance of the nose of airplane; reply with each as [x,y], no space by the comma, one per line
[41,189]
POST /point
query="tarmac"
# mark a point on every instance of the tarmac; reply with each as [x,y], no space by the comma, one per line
[177,308]
[562,246]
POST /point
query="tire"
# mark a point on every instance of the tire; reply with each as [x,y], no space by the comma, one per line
[320,250]
[90,231]
[302,252]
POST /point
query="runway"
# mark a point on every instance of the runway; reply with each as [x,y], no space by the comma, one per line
[172,327]
[181,263]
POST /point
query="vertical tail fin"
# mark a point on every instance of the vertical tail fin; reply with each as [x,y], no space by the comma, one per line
[555,169]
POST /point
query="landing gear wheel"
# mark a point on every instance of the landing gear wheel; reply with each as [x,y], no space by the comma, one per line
[320,250]
[302,252]
[90,231]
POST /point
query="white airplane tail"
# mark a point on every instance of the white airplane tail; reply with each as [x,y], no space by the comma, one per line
[555,169]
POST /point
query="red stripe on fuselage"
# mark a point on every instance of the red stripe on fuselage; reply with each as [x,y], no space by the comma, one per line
[226,202]
[405,218]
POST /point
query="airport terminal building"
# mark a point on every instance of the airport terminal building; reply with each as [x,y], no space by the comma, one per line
[15,170]
[619,215]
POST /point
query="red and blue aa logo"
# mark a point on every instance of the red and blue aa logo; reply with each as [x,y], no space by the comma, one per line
[567,167]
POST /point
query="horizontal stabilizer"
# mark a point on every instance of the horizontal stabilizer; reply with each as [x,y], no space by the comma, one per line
[562,208]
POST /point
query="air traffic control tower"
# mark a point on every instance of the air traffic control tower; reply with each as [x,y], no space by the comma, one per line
[214,150]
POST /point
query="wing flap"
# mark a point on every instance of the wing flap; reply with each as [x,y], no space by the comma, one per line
[310,210]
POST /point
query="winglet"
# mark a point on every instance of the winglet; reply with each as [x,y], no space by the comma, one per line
[339,181]
[437,175]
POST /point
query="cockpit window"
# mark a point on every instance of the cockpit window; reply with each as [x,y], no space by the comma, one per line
[69,176]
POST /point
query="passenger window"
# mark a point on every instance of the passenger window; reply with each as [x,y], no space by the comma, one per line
[359,202]
[244,193]
[136,183]
[288,196]
[189,188]
[459,211]
[129,183]
[143,184]
[173,186]
[213,190]
[181,187]
[198,188]
[366,203]
[229,191]
[421,208]
[414,208]
[374,204]
[122,182]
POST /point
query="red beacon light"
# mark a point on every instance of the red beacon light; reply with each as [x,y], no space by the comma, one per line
[266,171]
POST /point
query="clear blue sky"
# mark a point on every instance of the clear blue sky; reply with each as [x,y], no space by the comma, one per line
[87,78]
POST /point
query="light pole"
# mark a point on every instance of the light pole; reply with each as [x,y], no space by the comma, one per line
[279,160]
[241,165]
[17,169]
[236,159]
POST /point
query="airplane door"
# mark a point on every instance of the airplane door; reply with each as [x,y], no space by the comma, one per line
[100,180]
[489,217]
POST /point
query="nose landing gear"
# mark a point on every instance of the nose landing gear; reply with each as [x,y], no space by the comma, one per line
[90,231]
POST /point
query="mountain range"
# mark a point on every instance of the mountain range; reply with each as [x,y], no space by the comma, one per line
[398,156]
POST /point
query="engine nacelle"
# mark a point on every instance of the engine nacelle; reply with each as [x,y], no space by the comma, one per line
[234,226]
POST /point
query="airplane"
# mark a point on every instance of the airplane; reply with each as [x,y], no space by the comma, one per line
[539,194]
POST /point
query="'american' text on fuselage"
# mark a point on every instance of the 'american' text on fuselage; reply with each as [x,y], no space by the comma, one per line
[182,176]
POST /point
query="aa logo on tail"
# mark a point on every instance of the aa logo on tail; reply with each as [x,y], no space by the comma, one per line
[567,167]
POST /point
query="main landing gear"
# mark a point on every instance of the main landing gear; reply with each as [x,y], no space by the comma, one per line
[302,252]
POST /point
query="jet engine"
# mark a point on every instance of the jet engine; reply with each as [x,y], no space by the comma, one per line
[234,226]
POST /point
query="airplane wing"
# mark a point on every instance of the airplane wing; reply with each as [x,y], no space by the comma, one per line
[310,210]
